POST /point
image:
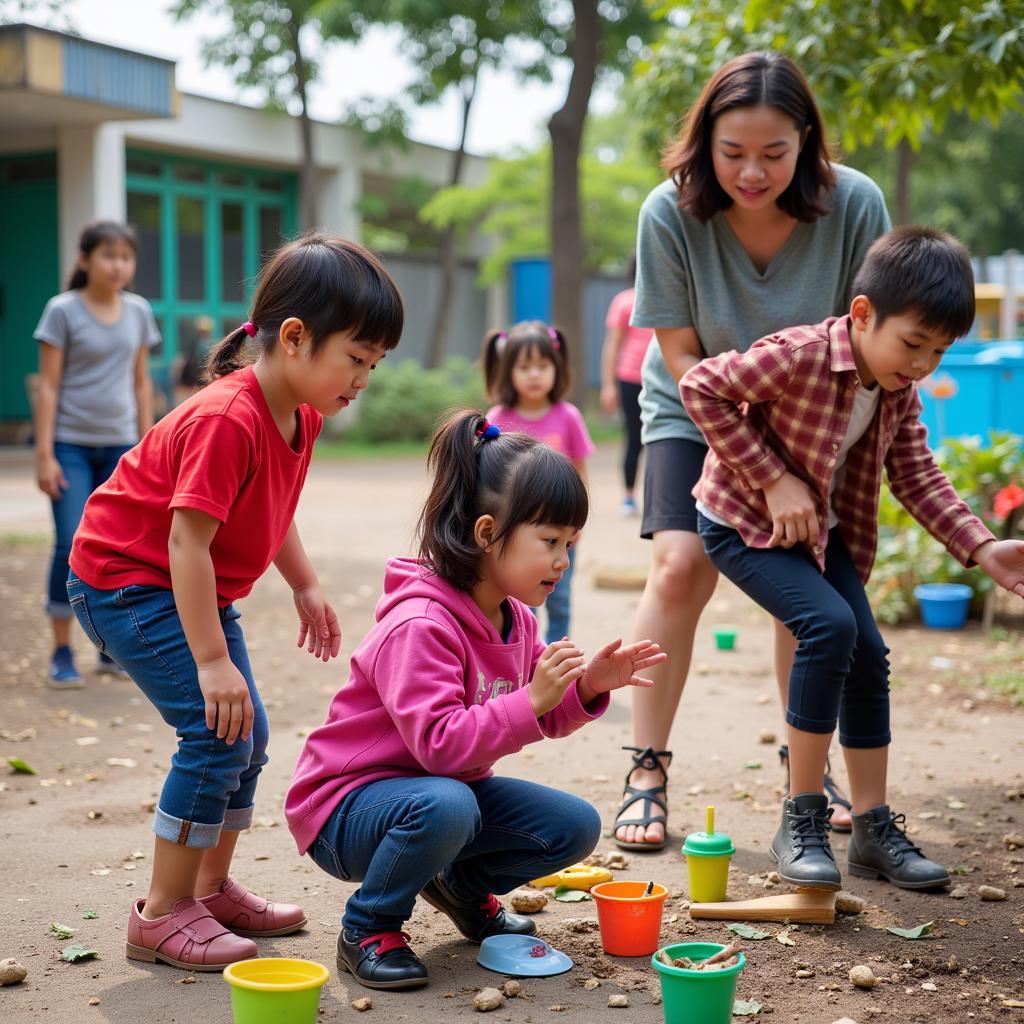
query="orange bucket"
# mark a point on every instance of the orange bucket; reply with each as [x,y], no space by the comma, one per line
[630,921]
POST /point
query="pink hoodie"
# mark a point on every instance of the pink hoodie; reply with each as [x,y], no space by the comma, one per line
[433,690]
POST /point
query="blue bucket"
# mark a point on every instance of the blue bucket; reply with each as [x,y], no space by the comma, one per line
[943,605]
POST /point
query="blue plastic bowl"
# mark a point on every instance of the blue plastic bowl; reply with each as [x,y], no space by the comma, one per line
[943,605]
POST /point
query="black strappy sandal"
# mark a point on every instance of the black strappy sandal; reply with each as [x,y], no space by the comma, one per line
[647,759]
[829,784]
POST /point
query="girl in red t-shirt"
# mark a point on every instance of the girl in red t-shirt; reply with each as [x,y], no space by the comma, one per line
[190,519]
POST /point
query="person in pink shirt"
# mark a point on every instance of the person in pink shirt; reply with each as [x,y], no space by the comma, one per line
[621,361]
[526,371]
[395,790]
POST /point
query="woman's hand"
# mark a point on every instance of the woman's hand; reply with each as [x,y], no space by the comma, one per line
[560,665]
[50,477]
[609,397]
[228,705]
[1003,560]
[319,628]
[793,510]
[615,666]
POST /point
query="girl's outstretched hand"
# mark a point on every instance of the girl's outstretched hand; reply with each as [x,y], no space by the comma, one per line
[615,666]
[560,664]
[1003,560]
[319,628]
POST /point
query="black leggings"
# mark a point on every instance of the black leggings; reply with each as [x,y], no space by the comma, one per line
[629,402]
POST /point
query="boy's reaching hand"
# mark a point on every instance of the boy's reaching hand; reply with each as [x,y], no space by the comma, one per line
[793,510]
[319,629]
[1003,560]
[615,666]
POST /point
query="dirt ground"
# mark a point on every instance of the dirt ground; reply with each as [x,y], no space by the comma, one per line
[77,835]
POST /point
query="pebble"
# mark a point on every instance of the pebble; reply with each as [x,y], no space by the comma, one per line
[511,989]
[618,1002]
[929,986]
[488,999]
[847,903]
[960,892]
[528,902]
[591,983]
[11,972]
[991,894]
[1013,840]
[805,973]
[766,736]
[862,976]
[362,1004]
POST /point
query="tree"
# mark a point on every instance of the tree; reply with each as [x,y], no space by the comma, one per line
[48,13]
[886,71]
[269,45]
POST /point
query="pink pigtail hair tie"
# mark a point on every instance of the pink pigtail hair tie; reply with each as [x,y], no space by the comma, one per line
[250,328]
[553,335]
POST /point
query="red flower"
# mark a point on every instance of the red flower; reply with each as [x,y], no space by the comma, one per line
[1009,498]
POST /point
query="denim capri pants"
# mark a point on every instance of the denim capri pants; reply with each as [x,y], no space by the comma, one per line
[211,785]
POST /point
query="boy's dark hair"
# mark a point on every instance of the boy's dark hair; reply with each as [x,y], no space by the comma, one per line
[502,349]
[95,234]
[328,283]
[752,80]
[923,273]
[513,477]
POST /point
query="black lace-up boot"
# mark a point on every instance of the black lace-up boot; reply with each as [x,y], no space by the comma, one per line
[879,848]
[381,961]
[476,919]
[800,846]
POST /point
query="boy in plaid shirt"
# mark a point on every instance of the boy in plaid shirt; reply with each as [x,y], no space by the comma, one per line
[799,429]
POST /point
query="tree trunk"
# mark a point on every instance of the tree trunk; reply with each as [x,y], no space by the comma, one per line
[904,162]
[449,241]
[307,174]
[566,131]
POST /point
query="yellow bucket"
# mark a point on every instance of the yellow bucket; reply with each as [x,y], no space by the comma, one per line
[275,989]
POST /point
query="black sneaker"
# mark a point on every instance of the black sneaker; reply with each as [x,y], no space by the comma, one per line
[801,847]
[879,848]
[381,961]
[476,919]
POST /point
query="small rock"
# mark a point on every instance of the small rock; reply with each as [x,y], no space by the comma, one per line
[95,1001]
[847,903]
[766,736]
[863,977]
[805,972]
[960,892]
[929,986]
[844,1020]
[1013,840]
[362,1004]
[558,1008]
[618,1002]
[616,861]
[991,893]
[511,989]
[754,880]
[591,983]
[775,877]
[528,901]
[488,999]
[11,972]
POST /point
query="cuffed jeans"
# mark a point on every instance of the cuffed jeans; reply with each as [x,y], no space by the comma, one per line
[211,785]
[85,467]
[490,836]
[841,669]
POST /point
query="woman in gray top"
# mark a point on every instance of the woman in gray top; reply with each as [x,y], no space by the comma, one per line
[94,401]
[754,230]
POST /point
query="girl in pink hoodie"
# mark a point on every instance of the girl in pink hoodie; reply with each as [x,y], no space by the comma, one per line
[395,789]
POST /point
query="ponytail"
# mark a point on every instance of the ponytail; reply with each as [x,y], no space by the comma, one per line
[226,356]
[79,279]
[490,356]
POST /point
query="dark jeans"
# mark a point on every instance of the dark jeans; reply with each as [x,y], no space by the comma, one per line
[85,468]
[395,835]
[629,403]
[841,669]
[210,785]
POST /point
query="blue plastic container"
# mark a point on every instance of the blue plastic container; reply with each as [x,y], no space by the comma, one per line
[943,605]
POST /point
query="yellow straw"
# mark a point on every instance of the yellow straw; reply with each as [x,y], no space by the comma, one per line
[711,821]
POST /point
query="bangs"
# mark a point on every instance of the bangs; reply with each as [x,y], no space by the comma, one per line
[545,489]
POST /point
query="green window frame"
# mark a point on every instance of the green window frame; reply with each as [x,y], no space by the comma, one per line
[238,196]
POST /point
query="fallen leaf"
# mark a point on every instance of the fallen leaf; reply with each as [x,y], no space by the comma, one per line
[564,894]
[747,932]
[745,1008]
[913,933]
[21,767]
[753,765]
[62,931]
[89,914]
[72,954]
[784,938]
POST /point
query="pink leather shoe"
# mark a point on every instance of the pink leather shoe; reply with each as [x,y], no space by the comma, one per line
[245,913]
[189,937]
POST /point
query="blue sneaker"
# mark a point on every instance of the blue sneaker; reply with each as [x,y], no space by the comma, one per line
[627,509]
[105,663]
[63,674]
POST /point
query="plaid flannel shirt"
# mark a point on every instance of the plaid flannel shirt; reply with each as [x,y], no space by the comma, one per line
[785,404]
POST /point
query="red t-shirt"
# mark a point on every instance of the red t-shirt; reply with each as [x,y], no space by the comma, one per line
[219,452]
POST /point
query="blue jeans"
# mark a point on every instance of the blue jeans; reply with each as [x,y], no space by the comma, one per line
[395,835]
[841,669]
[558,603]
[85,468]
[210,785]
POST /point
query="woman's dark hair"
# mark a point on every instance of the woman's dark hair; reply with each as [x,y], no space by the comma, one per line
[502,349]
[513,477]
[752,80]
[95,234]
[921,273]
[330,285]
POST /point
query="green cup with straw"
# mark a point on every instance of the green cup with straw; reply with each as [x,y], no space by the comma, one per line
[707,856]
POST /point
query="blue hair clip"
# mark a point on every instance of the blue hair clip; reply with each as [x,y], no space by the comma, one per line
[487,431]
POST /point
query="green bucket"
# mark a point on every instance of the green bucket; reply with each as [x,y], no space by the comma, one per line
[697,997]
[271,990]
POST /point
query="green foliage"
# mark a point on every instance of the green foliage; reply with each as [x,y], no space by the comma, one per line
[406,401]
[907,555]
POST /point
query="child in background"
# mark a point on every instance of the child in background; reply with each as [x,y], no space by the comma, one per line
[526,372]
[395,790]
[95,400]
[799,428]
[188,522]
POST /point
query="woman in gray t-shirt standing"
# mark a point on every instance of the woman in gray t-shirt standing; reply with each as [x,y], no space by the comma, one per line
[755,229]
[94,401]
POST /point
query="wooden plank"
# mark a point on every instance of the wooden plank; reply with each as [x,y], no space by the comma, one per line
[805,906]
